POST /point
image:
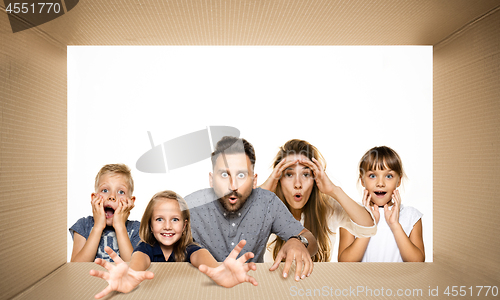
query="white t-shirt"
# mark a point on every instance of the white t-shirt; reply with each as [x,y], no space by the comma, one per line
[382,247]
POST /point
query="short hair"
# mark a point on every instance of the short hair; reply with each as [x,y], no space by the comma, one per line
[116,169]
[381,158]
[232,145]
[146,233]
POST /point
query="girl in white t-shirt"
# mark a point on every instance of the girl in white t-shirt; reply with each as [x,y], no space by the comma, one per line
[399,228]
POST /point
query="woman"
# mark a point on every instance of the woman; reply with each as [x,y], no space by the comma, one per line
[300,181]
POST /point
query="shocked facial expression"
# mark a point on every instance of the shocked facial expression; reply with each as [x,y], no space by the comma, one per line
[233,180]
[297,183]
[113,188]
[167,223]
[380,185]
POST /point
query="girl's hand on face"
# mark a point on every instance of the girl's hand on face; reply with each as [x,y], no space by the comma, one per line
[370,205]
[120,277]
[97,203]
[392,216]
[122,212]
[232,271]
[272,182]
[325,185]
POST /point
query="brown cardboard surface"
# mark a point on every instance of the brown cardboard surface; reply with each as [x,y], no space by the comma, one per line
[466,137]
[328,280]
[250,22]
[466,146]
[32,158]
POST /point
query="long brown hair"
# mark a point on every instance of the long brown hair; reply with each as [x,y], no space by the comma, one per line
[317,209]
[145,229]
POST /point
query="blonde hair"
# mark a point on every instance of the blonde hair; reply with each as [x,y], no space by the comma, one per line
[317,209]
[116,169]
[145,229]
[381,158]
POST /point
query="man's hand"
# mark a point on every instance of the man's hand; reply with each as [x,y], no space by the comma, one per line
[120,277]
[97,203]
[122,212]
[292,250]
[232,271]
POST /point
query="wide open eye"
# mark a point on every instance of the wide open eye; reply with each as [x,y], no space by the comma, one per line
[372,176]
[104,190]
[224,174]
[121,192]
[241,175]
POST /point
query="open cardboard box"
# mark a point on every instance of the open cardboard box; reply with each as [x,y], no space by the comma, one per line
[33,142]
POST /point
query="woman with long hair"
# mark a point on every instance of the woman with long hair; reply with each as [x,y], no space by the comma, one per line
[300,181]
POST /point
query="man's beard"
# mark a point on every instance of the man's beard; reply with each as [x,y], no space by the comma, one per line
[233,207]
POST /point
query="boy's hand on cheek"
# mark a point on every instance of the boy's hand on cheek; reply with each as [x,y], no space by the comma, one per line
[97,203]
[122,212]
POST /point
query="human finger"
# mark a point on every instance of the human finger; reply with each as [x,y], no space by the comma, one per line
[298,267]
[130,204]
[237,249]
[148,275]
[245,257]
[397,196]
[105,264]
[100,274]
[104,292]
[250,266]
[283,167]
[288,264]
[205,270]
[277,261]
[307,267]
[366,202]
[313,166]
[113,255]
[251,280]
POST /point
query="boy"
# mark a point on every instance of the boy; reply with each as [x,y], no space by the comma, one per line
[111,204]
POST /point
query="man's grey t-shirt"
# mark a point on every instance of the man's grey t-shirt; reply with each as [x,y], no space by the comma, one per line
[219,230]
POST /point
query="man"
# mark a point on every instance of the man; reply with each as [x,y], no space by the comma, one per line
[233,209]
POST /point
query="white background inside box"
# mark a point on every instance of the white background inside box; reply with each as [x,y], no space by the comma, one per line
[342,99]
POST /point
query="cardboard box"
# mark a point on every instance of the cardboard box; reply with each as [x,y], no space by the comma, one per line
[466,39]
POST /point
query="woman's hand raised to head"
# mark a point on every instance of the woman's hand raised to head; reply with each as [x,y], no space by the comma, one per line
[272,182]
[325,185]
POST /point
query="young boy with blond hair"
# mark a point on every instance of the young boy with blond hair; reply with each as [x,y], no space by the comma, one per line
[109,225]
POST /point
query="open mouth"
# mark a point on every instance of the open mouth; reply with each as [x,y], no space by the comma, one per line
[297,197]
[380,193]
[233,199]
[109,211]
[167,235]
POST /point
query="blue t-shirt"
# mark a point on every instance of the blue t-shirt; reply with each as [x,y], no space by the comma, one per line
[156,254]
[108,238]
